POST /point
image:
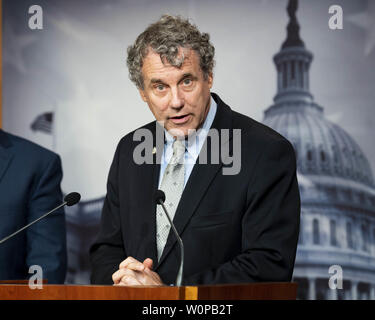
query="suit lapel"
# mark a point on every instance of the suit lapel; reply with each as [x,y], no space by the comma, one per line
[6,155]
[146,190]
[199,180]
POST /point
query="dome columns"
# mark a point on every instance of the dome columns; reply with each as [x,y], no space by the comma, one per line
[293,64]
[312,289]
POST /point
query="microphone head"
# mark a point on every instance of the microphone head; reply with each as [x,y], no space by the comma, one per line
[159,196]
[72,198]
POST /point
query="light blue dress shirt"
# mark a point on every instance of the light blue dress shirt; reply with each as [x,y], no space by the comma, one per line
[193,145]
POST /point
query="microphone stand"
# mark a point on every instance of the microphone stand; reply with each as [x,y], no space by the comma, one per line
[31,223]
[69,200]
[181,269]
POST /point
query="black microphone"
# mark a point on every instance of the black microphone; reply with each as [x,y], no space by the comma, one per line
[72,198]
[159,199]
[69,200]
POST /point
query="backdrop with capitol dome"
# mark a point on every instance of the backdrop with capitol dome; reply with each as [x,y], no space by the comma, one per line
[66,87]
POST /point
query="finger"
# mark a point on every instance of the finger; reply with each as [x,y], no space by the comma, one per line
[117,276]
[114,277]
[131,277]
[128,260]
[129,281]
[136,266]
[151,278]
[148,263]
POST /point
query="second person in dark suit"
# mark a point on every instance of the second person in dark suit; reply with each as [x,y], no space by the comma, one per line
[30,178]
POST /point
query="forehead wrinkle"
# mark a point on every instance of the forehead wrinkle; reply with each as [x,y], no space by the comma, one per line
[161,74]
[156,71]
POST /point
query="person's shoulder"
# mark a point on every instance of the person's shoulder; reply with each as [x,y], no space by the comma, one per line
[30,149]
[259,138]
[253,131]
[133,136]
[257,131]
[254,135]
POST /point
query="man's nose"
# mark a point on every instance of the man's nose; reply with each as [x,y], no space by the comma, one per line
[177,99]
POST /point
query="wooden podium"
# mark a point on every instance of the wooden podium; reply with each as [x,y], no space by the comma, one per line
[253,291]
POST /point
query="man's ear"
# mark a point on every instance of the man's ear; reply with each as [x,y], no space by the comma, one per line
[142,93]
[210,79]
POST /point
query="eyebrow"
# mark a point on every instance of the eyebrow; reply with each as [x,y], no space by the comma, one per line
[185,75]
[153,80]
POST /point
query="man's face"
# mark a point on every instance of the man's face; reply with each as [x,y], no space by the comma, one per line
[178,96]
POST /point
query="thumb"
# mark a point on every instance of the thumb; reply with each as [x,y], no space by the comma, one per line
[148,263]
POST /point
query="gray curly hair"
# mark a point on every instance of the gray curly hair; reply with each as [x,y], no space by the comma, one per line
[165,37]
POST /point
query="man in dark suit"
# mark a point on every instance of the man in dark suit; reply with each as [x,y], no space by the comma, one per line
[236,226]
[30,179]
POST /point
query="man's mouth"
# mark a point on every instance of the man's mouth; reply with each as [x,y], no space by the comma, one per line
[180,119]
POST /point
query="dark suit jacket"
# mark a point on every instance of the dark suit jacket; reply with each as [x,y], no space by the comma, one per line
[235,228]
[30,179]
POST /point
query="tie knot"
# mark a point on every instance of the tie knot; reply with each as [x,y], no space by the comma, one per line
[178,149]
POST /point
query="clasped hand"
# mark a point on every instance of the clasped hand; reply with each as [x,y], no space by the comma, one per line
[135,273]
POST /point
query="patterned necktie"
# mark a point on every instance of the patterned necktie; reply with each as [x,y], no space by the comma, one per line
[172,184]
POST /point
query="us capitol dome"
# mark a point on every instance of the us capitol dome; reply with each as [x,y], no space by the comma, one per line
[335,179]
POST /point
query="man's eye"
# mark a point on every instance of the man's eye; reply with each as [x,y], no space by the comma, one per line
[160,87]
[187,82]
